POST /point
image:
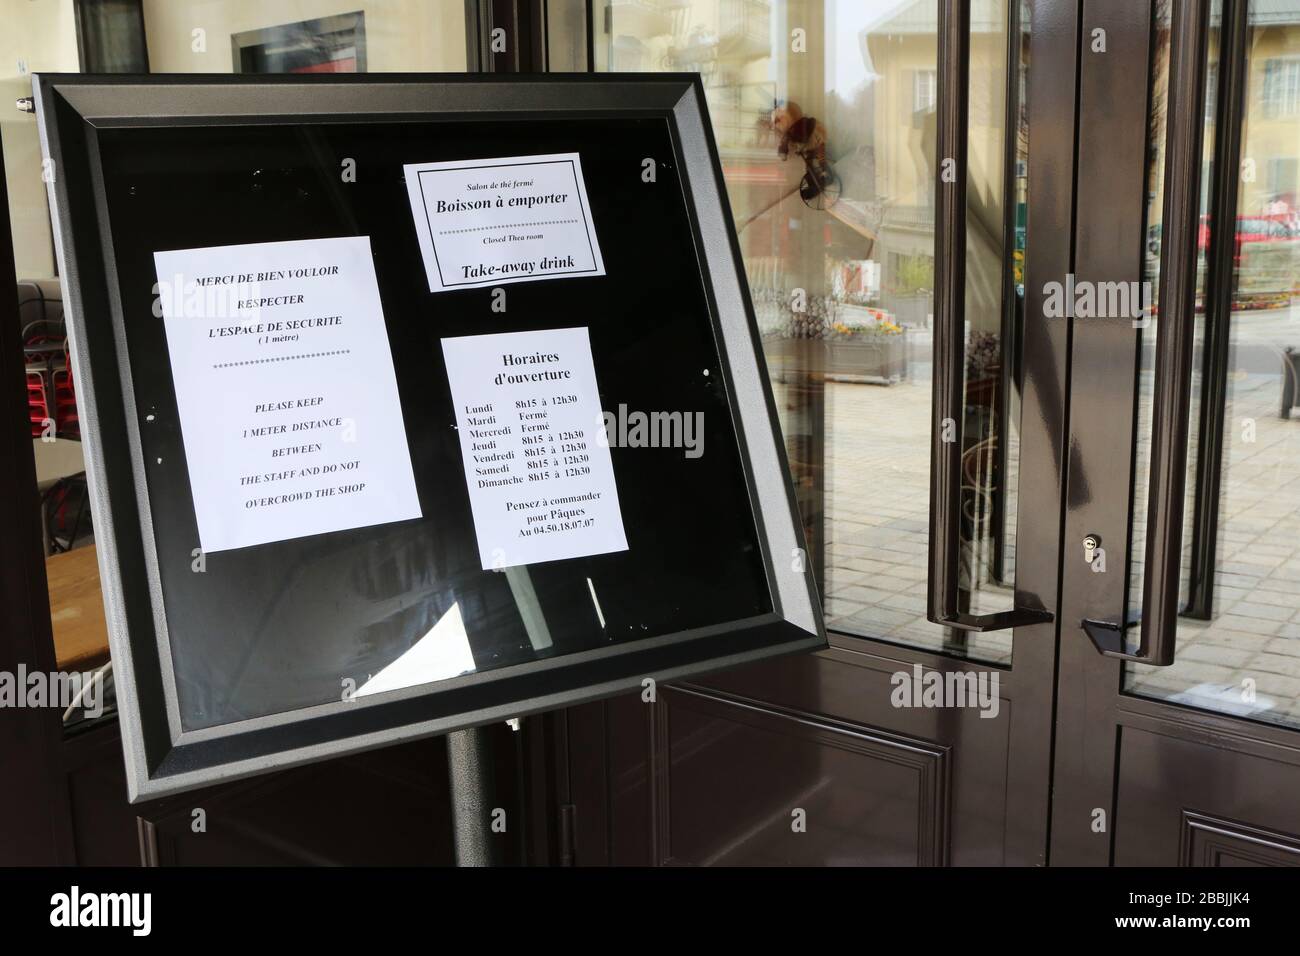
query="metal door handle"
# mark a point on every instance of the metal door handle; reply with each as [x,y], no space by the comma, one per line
[949,322]
[1173,363]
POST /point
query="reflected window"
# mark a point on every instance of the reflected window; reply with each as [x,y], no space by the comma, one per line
[1281,88]
[328,45]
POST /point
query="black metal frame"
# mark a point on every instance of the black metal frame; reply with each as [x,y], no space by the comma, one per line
[161,758]
[944,596]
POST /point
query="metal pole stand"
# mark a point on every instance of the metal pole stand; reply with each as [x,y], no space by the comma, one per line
[469,759]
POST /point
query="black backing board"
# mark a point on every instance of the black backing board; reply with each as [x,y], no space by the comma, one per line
[273,627]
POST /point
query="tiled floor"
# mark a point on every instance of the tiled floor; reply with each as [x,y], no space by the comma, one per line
[1247,659]
[877,511]
[877,502]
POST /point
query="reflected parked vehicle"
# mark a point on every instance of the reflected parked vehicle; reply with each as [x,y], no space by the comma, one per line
[1274,228]
[1266,257]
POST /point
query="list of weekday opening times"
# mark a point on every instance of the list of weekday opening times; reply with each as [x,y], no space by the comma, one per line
[528,413]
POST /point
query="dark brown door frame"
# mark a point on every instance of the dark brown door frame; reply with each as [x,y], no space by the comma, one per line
[35,822]
[1045,388]
[1108,246]
[524,23]
[1053,47]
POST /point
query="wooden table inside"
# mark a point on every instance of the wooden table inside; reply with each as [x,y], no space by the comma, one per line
[77,609]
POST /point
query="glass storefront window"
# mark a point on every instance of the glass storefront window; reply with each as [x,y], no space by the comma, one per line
[159,36]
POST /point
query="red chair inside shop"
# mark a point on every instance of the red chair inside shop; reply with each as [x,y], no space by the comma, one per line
[38,408]
[65,399]
[42,338]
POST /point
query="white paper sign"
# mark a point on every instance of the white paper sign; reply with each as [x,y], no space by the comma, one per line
[285,387]
[442,653]
[541,485]
[489,222]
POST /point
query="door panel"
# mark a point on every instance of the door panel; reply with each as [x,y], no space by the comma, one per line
[717,773]
[875,798]
[385,807]
[1188,798]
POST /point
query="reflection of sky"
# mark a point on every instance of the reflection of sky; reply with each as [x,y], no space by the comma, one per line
[846,20]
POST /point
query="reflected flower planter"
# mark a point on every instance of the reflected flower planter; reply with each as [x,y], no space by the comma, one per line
[872,359]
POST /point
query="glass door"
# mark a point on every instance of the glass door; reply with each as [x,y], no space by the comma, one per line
[898,200]
[1238,633]
[1180,681]
[1123,441]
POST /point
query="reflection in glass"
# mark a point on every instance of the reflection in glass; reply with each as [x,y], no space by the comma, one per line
[327,45]
[1245,659]
[827,137]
